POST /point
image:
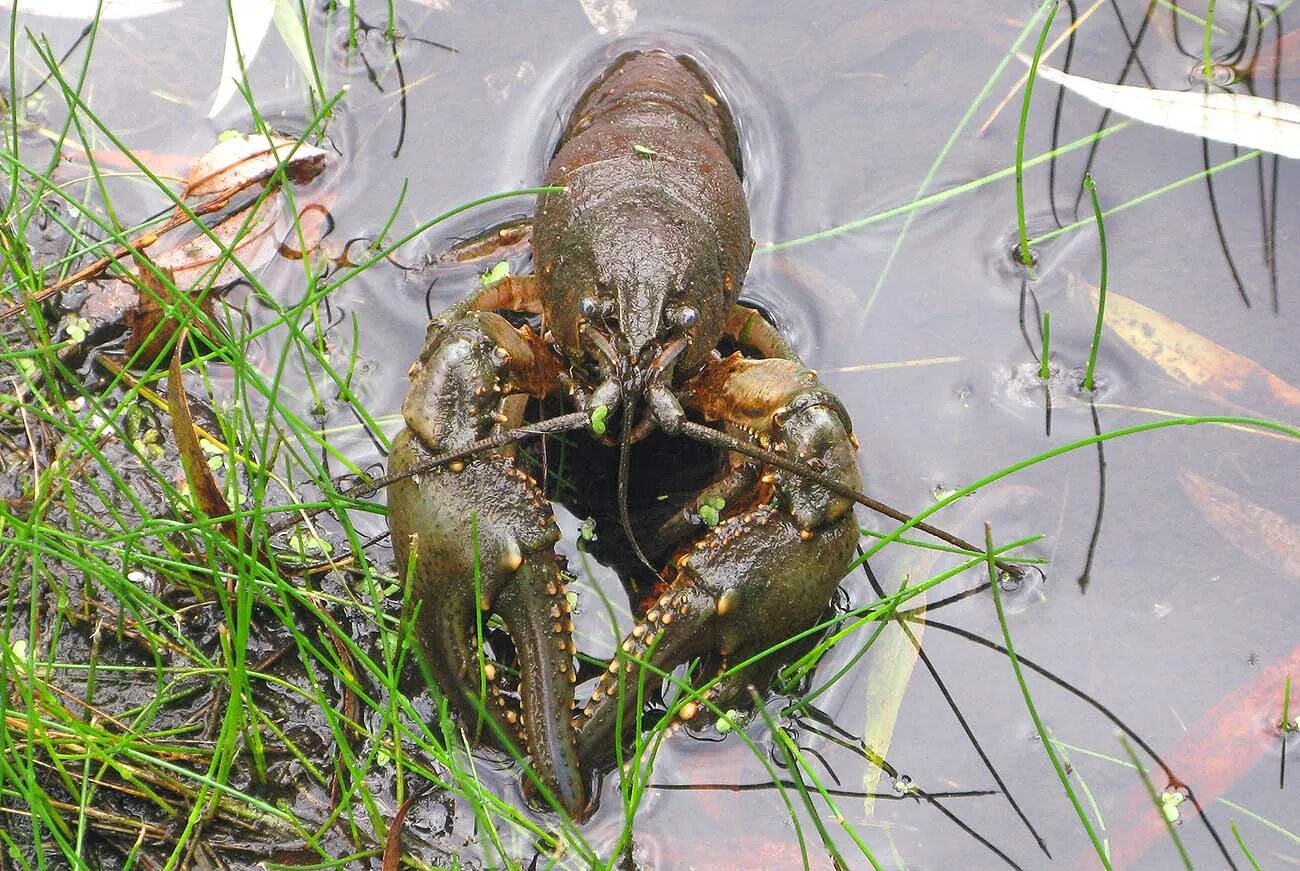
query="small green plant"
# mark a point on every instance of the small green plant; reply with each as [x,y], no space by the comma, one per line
[1207,52]
[1088,382]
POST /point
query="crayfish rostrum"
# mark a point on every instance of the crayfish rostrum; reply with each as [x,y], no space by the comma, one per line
[630,317]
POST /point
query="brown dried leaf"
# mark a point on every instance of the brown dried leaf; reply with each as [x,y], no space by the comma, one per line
[254,234]
[147,323]
[1256,531]
[393,843]
[204,490]
[1190,358]
[1281,55]
[243,160]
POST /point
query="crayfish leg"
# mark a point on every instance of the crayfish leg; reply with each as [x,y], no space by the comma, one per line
[750,330]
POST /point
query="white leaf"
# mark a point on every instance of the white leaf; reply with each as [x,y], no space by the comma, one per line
[1238,119]
[288,21]
[610,17]
[84,10]
[249,21]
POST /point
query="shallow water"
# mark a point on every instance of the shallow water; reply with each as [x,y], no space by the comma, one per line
[919,324]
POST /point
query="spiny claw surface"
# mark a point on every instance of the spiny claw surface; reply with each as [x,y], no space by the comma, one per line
[763,573]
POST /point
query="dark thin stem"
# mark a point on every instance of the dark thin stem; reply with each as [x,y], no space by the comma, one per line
[624,456]
[1286,731]
[768,785]
[1106,712]
[970,736]
[961,824]
[1218,225]
[1066,64]
[1085,577]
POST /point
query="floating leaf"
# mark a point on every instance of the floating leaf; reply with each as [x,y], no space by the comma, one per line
[1188,357]
[245,29]
[151,322]
[598,417]
[610,17]
[239,161]
[251,235]
[1238,119]
[1258,532]
[495,274]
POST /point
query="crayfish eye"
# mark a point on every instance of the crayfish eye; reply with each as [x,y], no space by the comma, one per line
[589,307]
[684,317]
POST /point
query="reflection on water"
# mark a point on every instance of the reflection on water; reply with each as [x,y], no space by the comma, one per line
[844,113]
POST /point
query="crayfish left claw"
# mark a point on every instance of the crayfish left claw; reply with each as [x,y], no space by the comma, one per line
[765,571]
[481,538]
[505,565]
[748,585]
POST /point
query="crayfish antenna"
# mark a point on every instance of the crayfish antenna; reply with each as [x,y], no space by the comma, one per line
[709,436]
[624,455]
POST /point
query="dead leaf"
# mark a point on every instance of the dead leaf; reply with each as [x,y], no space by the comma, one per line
[240,161]
[254,233]
[1238,119]
[148,323]
[219,176]
[893,659]
[1188,357]
[1256,531]
[393,843]
[204,491]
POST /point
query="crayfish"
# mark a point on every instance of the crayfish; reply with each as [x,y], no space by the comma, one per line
[631,318]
